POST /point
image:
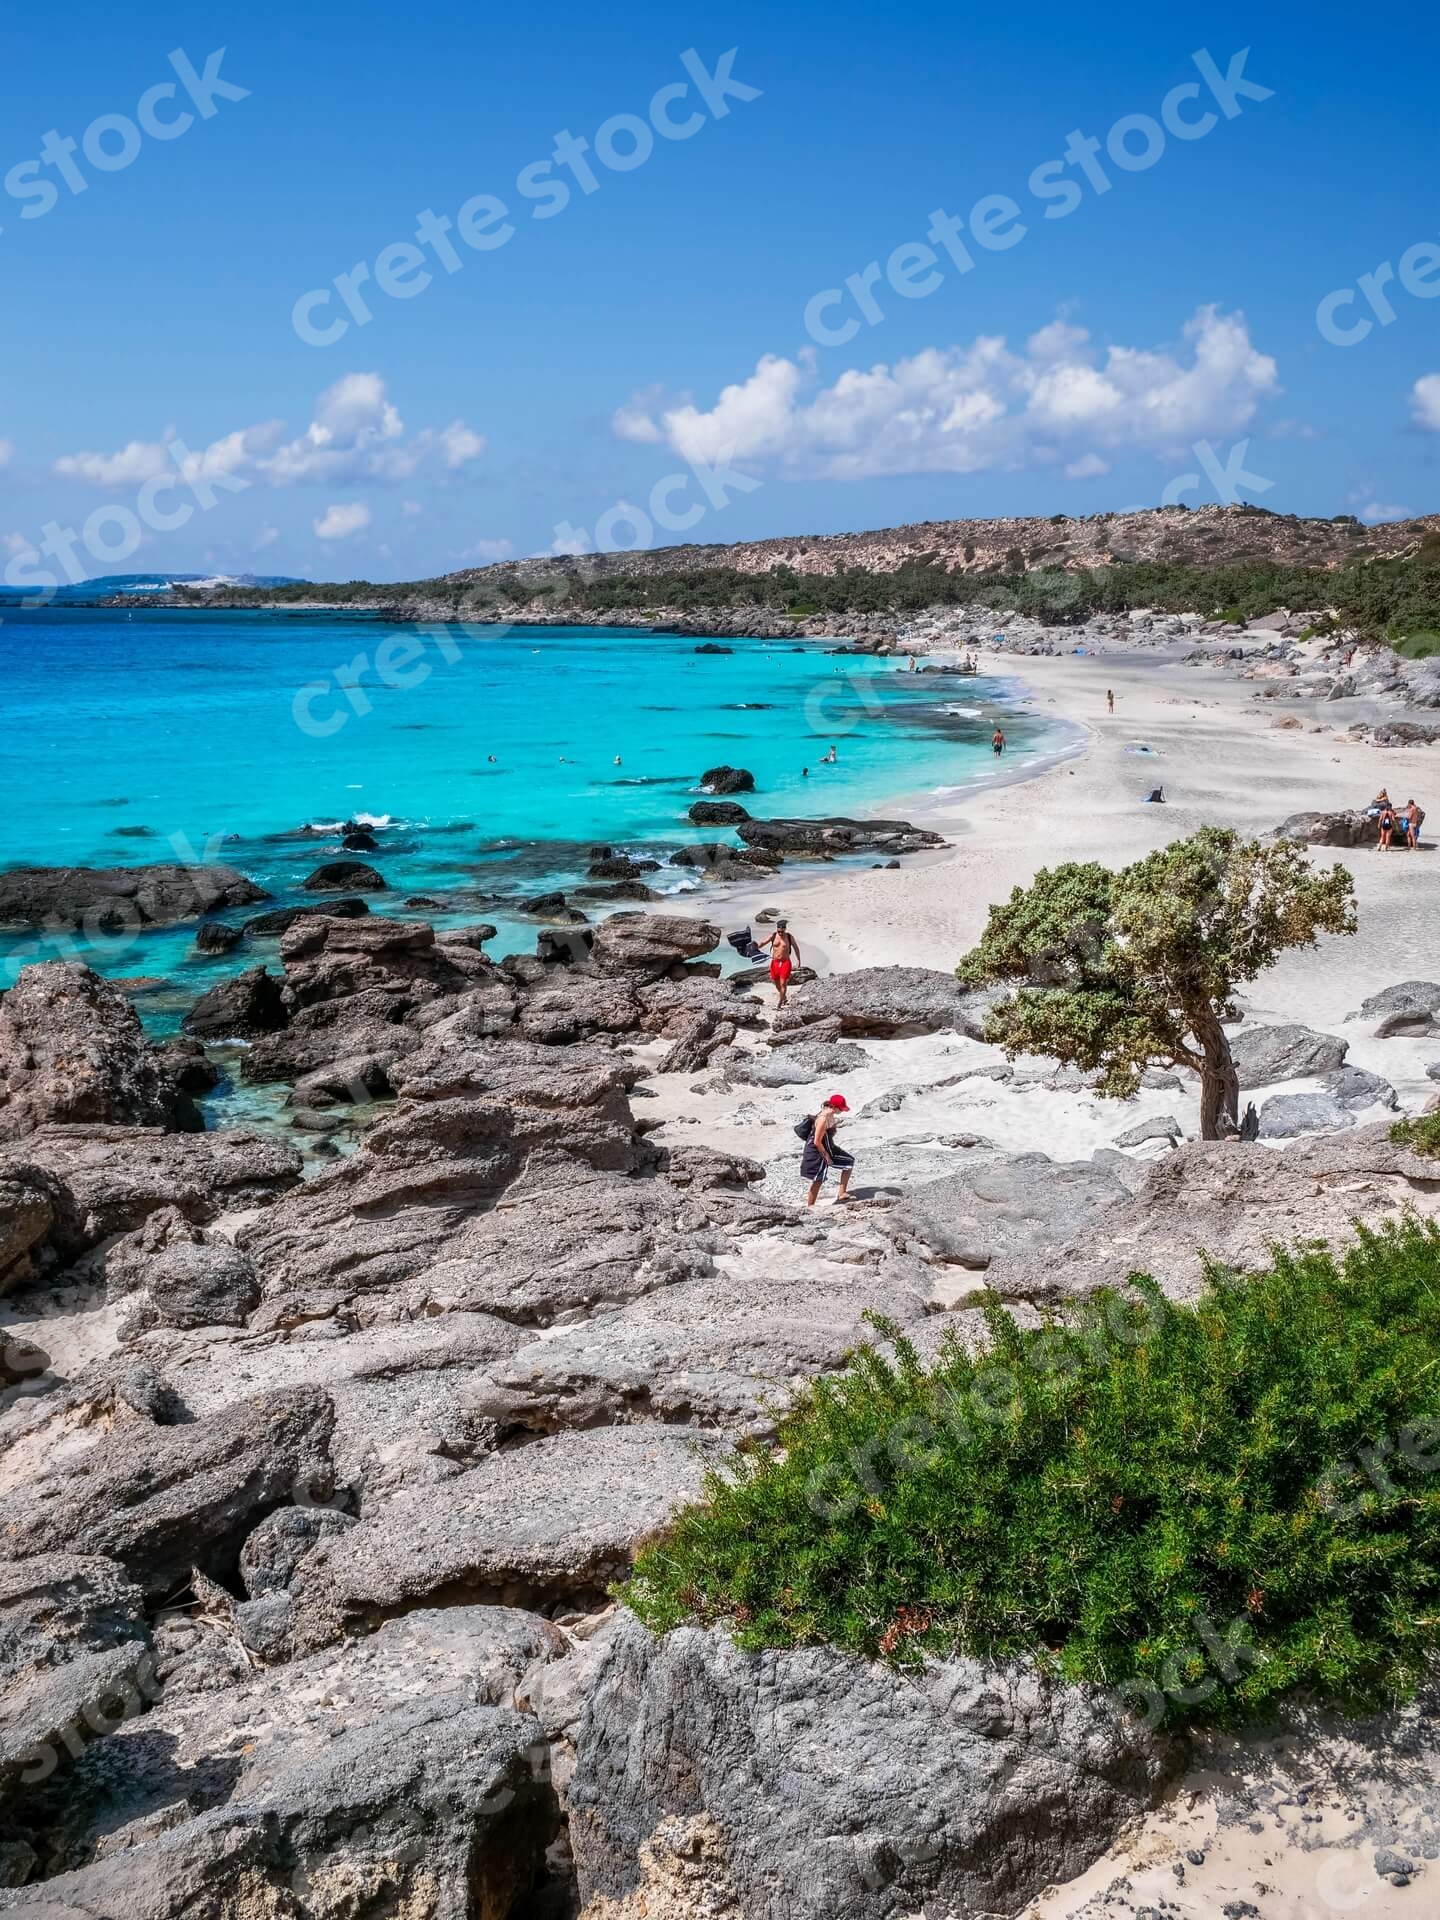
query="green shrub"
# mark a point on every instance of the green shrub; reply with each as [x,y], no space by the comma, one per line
[1417,646]
[1422,1133]
[1100,1495]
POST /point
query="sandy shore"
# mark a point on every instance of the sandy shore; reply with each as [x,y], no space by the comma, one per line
[1221,762]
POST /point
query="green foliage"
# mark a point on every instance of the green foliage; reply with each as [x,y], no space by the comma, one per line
[1422,1132]
[1418,646]
[1117,971]
[1101,1495]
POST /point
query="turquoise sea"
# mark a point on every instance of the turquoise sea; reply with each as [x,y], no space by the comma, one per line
[490,759]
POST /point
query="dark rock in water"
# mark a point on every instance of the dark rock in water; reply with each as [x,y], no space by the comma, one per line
[619,890]
[417,900]
[709,646]
[110,899]
[722,862]
[700,1766]
[718,813]
[837,835]
[162,1500]
[552,906]
[185,1065]
[213,936]
[250,1003]
[73,1052]
[191,1284]
[338,876]
[283,918]
[1264,1055]
[727,779]
[619,866]
[1350,828]
[359,840]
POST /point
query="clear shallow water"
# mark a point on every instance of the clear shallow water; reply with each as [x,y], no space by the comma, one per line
[133,738]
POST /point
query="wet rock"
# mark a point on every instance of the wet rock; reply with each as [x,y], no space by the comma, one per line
[816,1785]
[620,866]
[111,899]
[724,780]
[283,918]
[73,1052]
[1263,1055]
[1285,1116]
[837,836]
[343,876]
[718,813]
[215,937]
[246,1004]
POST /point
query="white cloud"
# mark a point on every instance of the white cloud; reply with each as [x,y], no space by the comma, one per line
[1375,512]
[1291,430]
[1088,467]
[634,420]
[486,552]
[340,521]
[1425,398]
[965,409]
[411,508]
[356,435]
[266,537]
[459,443]
[7,452]
[17,543]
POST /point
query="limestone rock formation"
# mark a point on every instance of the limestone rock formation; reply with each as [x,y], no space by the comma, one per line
[110,899]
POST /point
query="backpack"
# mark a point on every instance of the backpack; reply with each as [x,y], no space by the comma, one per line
[805,1128]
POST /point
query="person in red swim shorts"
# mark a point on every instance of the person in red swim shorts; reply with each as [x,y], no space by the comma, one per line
[784,958]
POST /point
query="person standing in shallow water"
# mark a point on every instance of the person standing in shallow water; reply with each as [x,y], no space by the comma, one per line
[997,742]
[784,958]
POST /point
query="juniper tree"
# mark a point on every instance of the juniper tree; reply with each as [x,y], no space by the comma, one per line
[1121,971]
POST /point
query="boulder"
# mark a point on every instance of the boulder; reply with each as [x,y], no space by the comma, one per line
[726,779]
[1167,1127]
[561,1518]
[343,876]
[273,1552]
[194,1284]
[816,1785]
[1410,1007]
[359,840]
[619,866]
[1007,1212]
[161,1500]
[890,1003]
[718,813]
[800,1065]
[648,945]
[73,1052]
[1285,1116]
[1263,1055]
[283,918]
[246,1004]
[112,899]
[1354,1088]
[392,1777]
[214,936]
[29,1201]
[1351,828]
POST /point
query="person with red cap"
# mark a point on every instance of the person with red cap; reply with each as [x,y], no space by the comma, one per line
[822,1151]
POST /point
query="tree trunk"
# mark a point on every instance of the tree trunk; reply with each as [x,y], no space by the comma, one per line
[1219,1082]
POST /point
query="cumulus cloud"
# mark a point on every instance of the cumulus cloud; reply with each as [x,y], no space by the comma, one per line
[487,552]
[1377,511]
[340,521]
[1425,398]
[964,409]
[356,435]
[266,537]
[1088,467]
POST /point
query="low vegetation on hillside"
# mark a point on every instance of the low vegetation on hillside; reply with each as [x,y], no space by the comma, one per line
[1203,1507]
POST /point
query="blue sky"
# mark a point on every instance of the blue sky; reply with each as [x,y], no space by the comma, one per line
[535,397]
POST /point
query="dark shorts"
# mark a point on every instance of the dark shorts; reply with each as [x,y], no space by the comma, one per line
[814,1165]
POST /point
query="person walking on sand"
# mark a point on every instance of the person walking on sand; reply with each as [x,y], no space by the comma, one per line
[822,1151]
[784,958]
[1110,698]
[997,741]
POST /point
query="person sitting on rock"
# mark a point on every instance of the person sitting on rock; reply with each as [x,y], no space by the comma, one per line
[822,1152]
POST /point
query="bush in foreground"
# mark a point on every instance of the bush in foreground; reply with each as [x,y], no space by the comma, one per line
[1421,1131]
[1203,1507]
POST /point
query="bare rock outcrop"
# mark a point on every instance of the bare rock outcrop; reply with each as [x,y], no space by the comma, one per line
[888,1003]
[817,1785]
[72,1051]
[109,899]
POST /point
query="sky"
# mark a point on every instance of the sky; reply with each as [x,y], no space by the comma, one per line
[700,273]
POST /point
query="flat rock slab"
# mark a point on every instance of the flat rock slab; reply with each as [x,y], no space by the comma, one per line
[1285,1116]
[1005,1210]
[888,1003]
[1264,1055]
[815,1785]
[563,1516]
